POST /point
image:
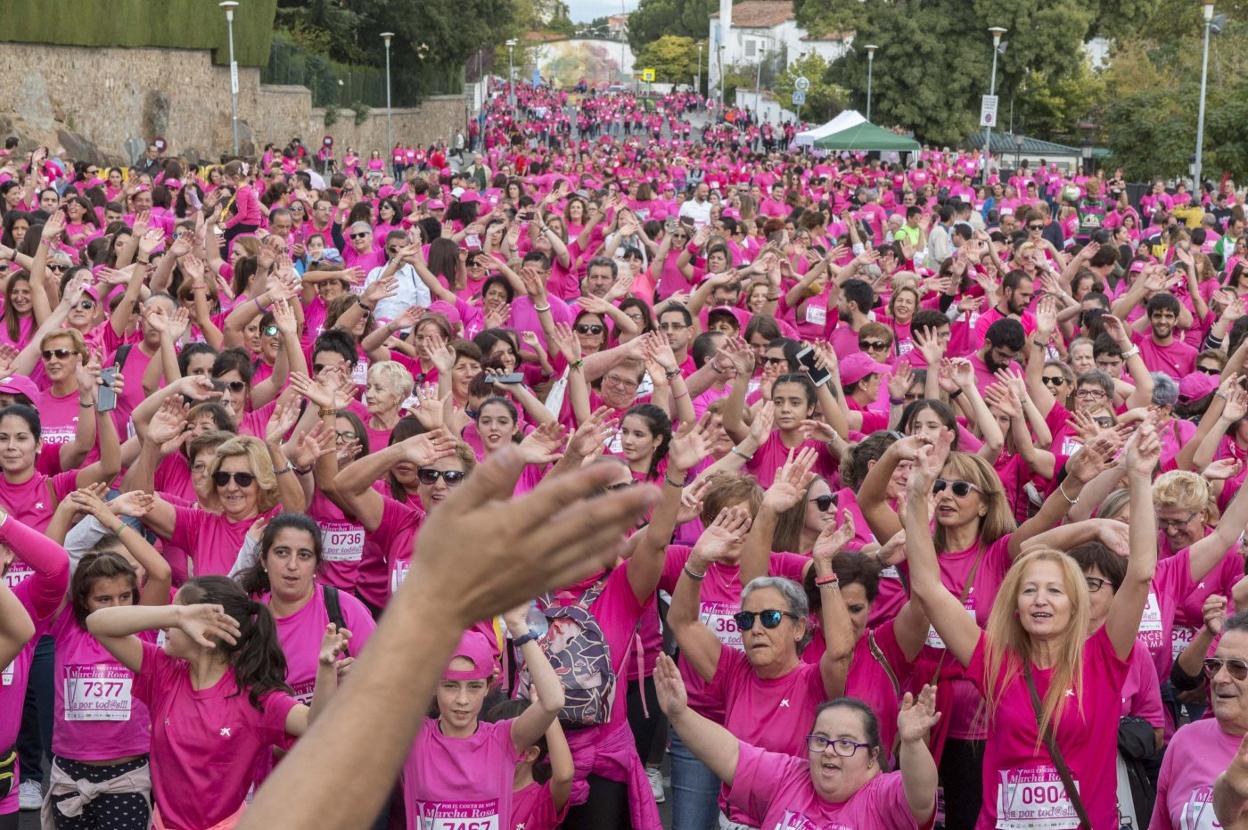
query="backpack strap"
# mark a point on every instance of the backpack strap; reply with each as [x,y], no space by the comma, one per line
[333,605]
[1068,781]
[878,654]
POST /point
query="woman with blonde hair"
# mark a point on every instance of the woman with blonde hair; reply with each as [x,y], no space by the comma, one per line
[389,385]
[1052,692]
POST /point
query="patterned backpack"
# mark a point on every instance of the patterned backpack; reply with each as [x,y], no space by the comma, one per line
[578,651]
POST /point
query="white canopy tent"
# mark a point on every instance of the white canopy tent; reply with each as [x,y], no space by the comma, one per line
[847,119]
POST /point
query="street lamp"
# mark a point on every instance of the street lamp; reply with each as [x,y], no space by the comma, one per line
[230,6]
[870,47]
[1207,9]
[996,32]
[389,136]
[697,79]
[758,80]
[511,76]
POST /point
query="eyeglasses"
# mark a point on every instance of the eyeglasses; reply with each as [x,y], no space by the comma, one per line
[1049,380]
[346,436]
[235,386]
[959,488]
[269,331]
[361,235]
[59,354]
[1035,227]
[673,326]
[429,476]
[1090,394]
[57,266]
[1235,667]
[1209,370]
[86,304]
[616,380]
[1176,523]
[222,479]
[824,503]
[770,618]
[1095,583]
[843,747]
[589,328]
[873,345]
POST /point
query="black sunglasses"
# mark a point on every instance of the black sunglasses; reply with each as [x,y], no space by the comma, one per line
[1209,370]
[430,476]
[60,354]
[1052,381]
[57,266]
[86,304]
[589,328]
[775,360]
[234,386]
[222,478]
[1237,668]
[769,618]
[872,345]
[959,488]
[360,235]
[824,503]
[1035,227]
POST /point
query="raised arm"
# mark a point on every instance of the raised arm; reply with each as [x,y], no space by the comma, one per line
[1125,613]
[698,643]
[714,745]
[16,626]
[838,630]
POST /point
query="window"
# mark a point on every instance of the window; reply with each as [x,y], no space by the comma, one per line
[751,48]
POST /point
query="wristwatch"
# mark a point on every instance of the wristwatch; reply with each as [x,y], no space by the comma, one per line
[527,637]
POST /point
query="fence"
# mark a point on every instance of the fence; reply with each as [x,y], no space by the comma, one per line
[343,85]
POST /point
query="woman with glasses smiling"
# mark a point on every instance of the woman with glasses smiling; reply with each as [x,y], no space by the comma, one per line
[835,780]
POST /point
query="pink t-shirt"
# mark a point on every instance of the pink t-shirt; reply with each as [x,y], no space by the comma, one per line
[772,454]
[342,543]
[773,790]
[1021,785]
[1172,581]
[173,478]
[1198,753]
[212,540]
[97,717]
[1141,694]
[300,635]
[460,782]
[533,808]
[205,742]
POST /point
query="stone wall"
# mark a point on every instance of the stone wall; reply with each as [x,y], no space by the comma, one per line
[92,101]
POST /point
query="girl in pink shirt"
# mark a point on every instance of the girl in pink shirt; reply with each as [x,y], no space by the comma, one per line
[216,691]
[1036,663]
[461,769]
[542,785]
[836,781]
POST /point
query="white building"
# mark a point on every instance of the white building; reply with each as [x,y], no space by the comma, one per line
[755,30]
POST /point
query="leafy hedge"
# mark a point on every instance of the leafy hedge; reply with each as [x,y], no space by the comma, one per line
[176,24]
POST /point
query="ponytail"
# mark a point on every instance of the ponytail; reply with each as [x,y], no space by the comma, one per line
[257,659]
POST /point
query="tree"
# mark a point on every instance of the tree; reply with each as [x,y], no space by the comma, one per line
[655,18]
[823,100]
[673,58]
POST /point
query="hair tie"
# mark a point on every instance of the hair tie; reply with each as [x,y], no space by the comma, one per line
[254,608]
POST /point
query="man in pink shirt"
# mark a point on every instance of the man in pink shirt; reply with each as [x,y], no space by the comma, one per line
[1003,342]
[1160,349]
[856,300]
[1017,289]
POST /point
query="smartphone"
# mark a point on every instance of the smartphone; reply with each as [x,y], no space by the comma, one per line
[514,377]
[107,399]
[806,357]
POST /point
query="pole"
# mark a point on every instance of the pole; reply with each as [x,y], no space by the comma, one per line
[1200,118]
[870,72]
[697,80]
[229,6]
[721,73]
[511,77]
[389,134]
[758,79]
[997,31]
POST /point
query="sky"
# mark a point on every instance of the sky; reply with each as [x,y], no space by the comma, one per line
[583,11]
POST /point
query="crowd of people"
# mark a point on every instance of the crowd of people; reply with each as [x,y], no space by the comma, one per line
[620,462]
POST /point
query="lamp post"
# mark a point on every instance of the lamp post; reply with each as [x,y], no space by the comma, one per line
[1207,9]
[389,136]
[870,47]
[511,76]
[697,79]
[230,6]
[758,80]
[996,32]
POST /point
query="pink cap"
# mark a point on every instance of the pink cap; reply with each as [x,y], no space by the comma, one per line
[435,204]
[1136,266]
[1196,385]
[473,648]
[857,366]
[450,312]
[469,196]
[19,385]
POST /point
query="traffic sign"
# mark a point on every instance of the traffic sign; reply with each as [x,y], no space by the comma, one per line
[802,84]
[647,75]
[988,111]
[799,97]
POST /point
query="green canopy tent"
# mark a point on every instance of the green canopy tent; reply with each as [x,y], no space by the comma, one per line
[867,136]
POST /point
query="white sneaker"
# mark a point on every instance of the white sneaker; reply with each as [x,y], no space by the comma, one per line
[29,795]
[656,784]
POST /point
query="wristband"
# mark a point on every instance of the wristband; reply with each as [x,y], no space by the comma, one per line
[694,575]
[671,483]
[303,471]
[578,364]
[738,451]
[85,404]
[671,373]
[1061,488]
[326,412]
[829,580]
[540,308]
[896,401]
[526,637]
[954,393]
[283,470]
[1130,353]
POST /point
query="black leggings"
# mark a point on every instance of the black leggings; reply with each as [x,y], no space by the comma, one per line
[962,776]
[645,729]
[108,811]
[606,809]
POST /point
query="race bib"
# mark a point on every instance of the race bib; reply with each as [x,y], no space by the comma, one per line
[1181,637]
[816,314]
[1198,811]
[303,691]
[359,375]
[1150,624]
[1034,799]
[934,640]
[796,821]
[6,676]
[717,616]
[17,573]
[1071,445]
[890,572]
[905,346]
[469,815]
[342,541]
[60,434]
[98,692]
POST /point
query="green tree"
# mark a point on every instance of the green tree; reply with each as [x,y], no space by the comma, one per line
[653,19]
[673,58]
[824,99]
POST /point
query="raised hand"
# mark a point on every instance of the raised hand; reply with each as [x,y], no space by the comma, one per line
[334,644]
[208,624]
[423,450]
[543,445]
[592,435]
[721,541]
[670,688]
[917,716]
[692,443]
[833,538]
[319,441]
[169,421]
[792,480]
[135,503]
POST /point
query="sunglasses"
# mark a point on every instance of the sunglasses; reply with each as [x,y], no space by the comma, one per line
[824,503]
[1235,667]
[57,266]
[59,354]
[363,235]
[430,477]
[269,331]
[1052,381]
[769,618]
[775,361]
[1035,227]
[959,488]
[86,305]
[872,345]
[222,479]
[1209,370]
[589,328]
[235,386]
